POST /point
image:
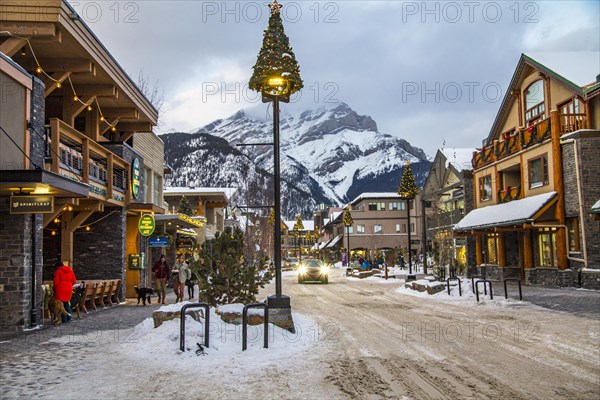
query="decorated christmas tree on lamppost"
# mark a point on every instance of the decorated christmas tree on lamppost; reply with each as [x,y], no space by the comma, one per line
[299,226]
[276,75]
[347,221]
[408,191]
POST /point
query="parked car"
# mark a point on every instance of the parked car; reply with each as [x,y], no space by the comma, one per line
[313,271]
[290,263]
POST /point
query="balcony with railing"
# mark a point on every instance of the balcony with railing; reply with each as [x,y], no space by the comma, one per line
[512,144]
[573,122]
[79,158]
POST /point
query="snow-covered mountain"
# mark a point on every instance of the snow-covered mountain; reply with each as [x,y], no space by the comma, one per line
[328,155]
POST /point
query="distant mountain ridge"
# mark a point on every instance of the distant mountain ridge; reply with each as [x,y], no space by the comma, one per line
[327,156]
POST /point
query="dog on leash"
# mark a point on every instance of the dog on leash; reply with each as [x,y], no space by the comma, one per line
[143,294]
[57,308]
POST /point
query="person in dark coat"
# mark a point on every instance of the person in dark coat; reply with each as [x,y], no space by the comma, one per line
[64,279]
[161,272]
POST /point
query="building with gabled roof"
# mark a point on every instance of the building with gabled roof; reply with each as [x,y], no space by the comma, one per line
[536,177]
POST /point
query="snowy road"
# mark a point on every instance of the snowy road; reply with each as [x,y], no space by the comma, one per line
[356,339]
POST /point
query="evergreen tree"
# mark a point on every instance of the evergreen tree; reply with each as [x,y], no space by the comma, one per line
[224,275]
[185,207]
[271,219]
[299,226]
[276,58]
[408,189]
[347,219]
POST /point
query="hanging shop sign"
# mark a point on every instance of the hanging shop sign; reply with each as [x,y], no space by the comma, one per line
[146,225]
[135,178]
[158,242]
[31,204]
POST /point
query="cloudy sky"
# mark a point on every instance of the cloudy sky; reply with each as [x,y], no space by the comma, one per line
[433,73]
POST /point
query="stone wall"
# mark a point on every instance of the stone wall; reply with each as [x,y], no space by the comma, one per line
[551,277]
[587,167]
[100,253]
[497,273]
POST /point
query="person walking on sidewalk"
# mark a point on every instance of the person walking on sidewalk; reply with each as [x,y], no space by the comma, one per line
[184,275]
[161,273]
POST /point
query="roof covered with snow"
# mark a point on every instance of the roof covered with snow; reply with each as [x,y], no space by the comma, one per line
[512,213]
[459,158]
[596,208]
[198,191]
[309,225]
[376,195]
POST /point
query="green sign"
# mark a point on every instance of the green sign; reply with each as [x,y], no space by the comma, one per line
[135,178]
[31,204]
[146,225]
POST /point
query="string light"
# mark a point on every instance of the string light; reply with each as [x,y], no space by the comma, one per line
[87,228]
[40,70]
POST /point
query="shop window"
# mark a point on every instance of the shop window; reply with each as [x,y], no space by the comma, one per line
[534,102]
[485,188]
[574,241]
[538,171]
[360,229]
[547,247]
[492,248]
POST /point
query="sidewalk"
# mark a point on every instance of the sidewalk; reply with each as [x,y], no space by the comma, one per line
[117,320]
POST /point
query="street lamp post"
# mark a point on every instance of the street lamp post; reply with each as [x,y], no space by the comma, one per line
[277,76]
[347,221]
[408,191]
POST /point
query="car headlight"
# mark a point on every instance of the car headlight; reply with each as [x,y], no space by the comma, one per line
[302,269]
[324,270]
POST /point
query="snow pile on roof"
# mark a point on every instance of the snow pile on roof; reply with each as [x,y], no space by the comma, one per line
[380,195]
[579,67]
[178,190]
[459,158]
[309,225]
[511,213]
[596,208]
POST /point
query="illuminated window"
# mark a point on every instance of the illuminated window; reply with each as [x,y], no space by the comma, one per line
[547,247]
[492,248]
[574,243]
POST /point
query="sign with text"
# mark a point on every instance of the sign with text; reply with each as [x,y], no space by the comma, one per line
[158,242]
[31,204]
[146,225]
[135,178]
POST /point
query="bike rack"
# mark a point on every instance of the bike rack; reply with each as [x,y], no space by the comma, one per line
[245,324]
[484,281]
[459,287]
[473,283]
[513,280]
[182,323]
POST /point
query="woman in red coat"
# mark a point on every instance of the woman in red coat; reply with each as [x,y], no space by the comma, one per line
[64,279]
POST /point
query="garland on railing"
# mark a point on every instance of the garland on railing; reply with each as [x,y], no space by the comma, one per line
[535,136]
[506,147]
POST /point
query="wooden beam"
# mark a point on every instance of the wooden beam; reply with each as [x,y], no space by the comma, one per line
[90,205]
[12,45]
[111,113]
[527,250]
[52,84]
[50,217]
[96,90]
[135,127]
[106,127]
[501,250]
[29,28]
[81,65]
[125,136]
[72,108]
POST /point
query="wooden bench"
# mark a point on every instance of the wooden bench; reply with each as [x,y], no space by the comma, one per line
[101,292]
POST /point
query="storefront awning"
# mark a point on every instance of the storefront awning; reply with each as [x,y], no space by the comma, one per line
[39,181]
[182,220]
[334,241]
[516,212]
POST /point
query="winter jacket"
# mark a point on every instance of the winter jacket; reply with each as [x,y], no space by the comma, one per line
[161,270]
[64,279]
[184,272]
